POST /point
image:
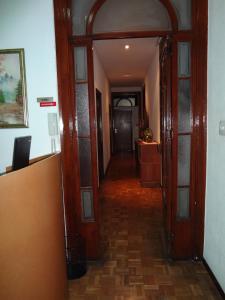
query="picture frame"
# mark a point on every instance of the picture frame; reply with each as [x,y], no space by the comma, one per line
[13,95]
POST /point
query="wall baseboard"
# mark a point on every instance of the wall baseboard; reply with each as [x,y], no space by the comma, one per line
[218,286]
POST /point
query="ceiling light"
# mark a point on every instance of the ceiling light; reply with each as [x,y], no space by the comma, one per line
[127,75]
[127,47]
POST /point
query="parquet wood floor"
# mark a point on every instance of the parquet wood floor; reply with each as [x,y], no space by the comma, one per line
[133,265]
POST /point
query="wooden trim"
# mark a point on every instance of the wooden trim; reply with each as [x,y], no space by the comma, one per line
[99,126]
[200,122]
[174,143]
[93,12]
[183,186]
[172,14]
[194,144]
[184,35]
[184,77]
[108,166]
[184,133]
[81,82]
[84,136]
[131,34]
[81,39]
[98,4]
[95,250]
[66,96]
[213,277]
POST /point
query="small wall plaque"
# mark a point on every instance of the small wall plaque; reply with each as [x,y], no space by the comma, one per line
[45,99]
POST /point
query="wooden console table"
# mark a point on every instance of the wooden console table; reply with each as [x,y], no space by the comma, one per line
[149,163]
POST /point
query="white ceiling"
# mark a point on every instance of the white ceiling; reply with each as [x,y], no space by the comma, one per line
[126,67]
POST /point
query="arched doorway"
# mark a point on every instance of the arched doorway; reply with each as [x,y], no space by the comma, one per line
[189,38]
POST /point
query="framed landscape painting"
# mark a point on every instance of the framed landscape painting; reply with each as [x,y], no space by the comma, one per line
[13,102]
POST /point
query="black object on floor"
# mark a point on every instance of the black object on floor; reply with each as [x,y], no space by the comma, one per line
[76,257]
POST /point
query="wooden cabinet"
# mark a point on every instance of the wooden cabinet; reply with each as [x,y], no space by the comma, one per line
[149,163]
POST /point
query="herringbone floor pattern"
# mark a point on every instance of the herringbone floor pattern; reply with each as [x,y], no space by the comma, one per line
[133,265]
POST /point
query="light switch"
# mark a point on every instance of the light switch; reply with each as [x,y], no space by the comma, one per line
[222,128]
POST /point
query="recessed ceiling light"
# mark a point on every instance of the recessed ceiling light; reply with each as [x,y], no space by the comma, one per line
[127,47]
[127,75]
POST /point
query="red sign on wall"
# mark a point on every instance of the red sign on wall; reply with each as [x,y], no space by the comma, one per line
[46,103]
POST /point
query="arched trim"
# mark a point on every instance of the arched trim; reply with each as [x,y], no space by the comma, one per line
[98,4]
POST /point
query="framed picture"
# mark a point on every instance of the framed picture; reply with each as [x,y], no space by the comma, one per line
[13,102]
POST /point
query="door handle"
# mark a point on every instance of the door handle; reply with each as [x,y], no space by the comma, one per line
[116,130]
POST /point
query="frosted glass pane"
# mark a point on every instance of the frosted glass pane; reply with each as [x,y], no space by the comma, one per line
[184,15]
[80,12]
[183,203]
[184,106]
[87,204]
[184,159]
[124,102]
[80,59]
[131,15]
[85,162]
[82,105]
[184,59]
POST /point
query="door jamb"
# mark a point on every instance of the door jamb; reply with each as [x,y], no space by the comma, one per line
[64,37]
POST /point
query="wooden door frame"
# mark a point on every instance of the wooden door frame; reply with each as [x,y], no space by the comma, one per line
[64,40]
[166,135]
[140,101]
[100,172]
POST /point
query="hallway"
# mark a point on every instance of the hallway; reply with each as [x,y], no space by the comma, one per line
[133,265]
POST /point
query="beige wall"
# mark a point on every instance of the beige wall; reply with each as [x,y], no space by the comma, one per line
[152,95]
[32,250]
[102,84]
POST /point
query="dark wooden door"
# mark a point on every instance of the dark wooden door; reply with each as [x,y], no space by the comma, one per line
[100,134]
[177,147]
[122,130]
[166,134]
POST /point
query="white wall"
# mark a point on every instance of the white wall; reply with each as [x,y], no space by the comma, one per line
[29,24]
[152,95]
[214,248]
[102,84]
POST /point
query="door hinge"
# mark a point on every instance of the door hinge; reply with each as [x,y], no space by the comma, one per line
[66,13]
[171,236]
[171,134]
